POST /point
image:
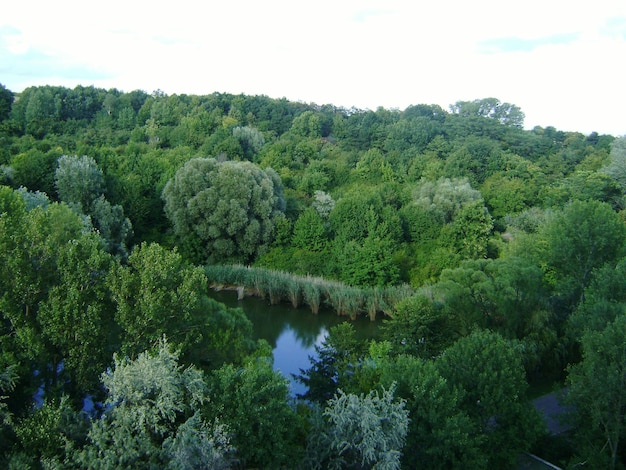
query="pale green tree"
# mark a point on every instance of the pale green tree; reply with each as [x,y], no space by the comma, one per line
[80,184]
[152,418]
[253,401]
[616,168]
[79,181]
[506,113]
[446,197]
[361,431]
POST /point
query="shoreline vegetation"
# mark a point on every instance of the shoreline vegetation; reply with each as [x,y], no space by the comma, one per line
[312,291]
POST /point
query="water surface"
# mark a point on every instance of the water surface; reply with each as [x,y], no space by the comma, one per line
[292,333]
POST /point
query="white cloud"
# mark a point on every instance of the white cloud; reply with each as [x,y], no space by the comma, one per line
[557,60]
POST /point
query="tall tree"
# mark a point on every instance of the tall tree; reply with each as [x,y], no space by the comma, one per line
[224,211]
[77,315]
[506,113]
[488,372]
[158,294]
[581,238]
[79,181]
[253,401]
[6,101]
[152,418]
[597,393]
[361,431]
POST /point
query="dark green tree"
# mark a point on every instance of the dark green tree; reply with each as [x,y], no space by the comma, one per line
[487,372]
[6,101]
[77,316]
[224,211]
[597,393]
[253,402]
[158,294]
[577,240]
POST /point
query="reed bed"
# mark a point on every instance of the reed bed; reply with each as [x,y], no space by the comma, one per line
[280,286]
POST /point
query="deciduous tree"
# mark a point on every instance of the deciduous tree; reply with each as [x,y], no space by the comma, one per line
[224,211]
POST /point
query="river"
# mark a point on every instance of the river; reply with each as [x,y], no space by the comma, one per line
[292,333]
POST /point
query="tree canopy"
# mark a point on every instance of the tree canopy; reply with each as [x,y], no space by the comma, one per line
[494,254]
[224,210]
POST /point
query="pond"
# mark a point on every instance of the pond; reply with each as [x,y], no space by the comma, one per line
[292,333]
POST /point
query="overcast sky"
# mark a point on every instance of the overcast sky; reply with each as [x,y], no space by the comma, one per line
[561,61]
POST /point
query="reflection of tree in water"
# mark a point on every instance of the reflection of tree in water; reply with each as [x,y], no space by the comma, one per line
[269,322]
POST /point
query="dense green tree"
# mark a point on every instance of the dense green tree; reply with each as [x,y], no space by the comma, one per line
[597,392]
[420,327]
[224,210]
[605,300]
[253,401]
[468,235]
[77,316]
[372,167]
[577,240]
[6,101]
[488,373]
[369,262]
[441,434]
[31,243]
[507,195]
[8,377]
[34,169]
[46,433]
[309,232]
[158,294]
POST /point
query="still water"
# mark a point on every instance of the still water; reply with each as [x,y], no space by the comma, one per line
[292,333]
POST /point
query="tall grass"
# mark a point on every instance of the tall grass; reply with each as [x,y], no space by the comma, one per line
[279,286]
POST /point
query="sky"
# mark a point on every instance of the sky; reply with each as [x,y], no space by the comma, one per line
[561,62]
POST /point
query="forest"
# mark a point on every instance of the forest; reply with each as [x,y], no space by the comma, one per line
[493,257]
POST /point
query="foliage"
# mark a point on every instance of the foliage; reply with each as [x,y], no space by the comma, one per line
[420,327]
[362,431]
[79,181]
[506,113]
[336,359]
[488,373]
[581,238]
[253,402]
[158,294]
[446,197]
[596,392]
[151,418]
[77,316]
[501,231]
[224,210]
[6,101]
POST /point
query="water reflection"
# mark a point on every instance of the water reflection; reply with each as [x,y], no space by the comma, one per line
[292,333]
